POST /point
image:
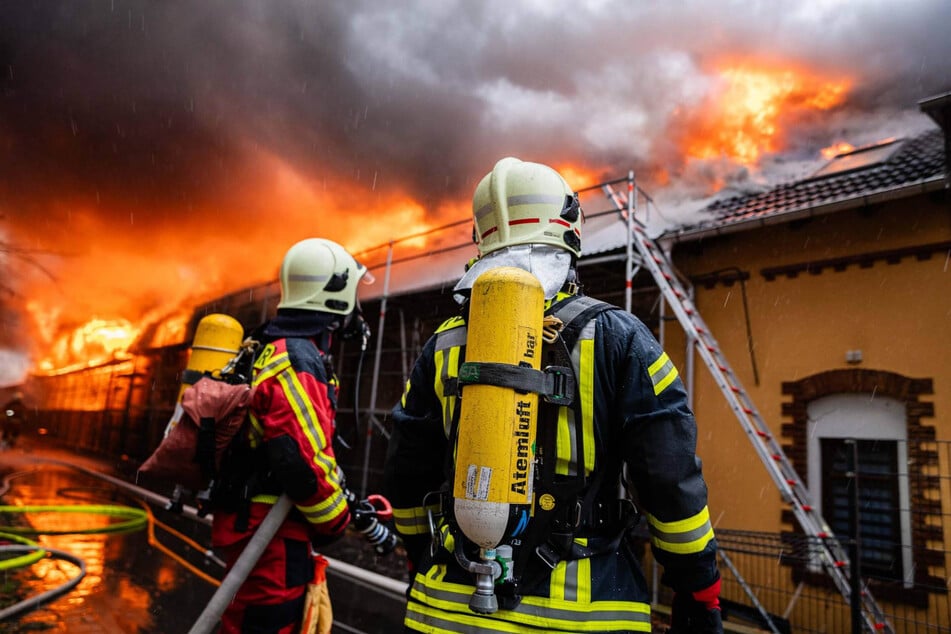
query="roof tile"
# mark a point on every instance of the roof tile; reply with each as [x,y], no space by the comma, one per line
[918,158]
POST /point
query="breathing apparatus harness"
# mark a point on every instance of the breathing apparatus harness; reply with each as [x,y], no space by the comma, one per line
[563,505]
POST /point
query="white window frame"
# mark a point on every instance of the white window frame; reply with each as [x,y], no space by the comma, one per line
[863,417]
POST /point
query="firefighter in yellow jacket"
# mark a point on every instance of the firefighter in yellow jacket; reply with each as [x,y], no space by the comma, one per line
[612,417]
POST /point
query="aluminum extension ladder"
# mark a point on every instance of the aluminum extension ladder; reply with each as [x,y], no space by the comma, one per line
[793,491]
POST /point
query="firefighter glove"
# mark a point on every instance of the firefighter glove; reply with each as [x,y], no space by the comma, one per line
[697,612]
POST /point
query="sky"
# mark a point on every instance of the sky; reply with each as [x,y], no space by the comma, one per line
[156,153]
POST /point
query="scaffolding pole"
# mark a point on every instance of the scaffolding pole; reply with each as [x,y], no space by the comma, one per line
[372,420]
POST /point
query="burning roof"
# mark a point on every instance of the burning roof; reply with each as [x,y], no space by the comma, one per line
[886,168]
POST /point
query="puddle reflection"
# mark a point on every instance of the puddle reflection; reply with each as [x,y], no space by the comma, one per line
[129,585]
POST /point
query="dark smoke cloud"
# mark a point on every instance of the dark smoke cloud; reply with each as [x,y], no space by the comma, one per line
[162,102]
[167,107]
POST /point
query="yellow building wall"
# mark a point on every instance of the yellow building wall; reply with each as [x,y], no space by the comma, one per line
[897,315]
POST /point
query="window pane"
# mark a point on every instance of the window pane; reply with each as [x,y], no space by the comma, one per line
[879,522]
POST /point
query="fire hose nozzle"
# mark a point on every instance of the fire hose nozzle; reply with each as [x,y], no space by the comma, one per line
[368,517]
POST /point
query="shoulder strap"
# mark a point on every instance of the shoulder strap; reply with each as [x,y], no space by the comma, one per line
[547,538]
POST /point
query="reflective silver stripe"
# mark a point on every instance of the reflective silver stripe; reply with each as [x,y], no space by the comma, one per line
[303,277]
[572,467]
[411,521]
[442,625]
[452,338]
[446,341]
[483,210]
[324,511]
[533,199]
[579,305]
[273,365]
[662,373]
[574,308]
[571,581]
[684,537]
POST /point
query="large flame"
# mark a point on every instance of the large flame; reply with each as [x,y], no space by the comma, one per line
[743,117]
[96,341]
[127,278]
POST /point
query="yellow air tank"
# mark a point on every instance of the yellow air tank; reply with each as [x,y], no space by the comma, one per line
[495,447]
[217,339]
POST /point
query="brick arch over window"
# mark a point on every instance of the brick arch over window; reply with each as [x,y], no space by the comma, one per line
[924,488]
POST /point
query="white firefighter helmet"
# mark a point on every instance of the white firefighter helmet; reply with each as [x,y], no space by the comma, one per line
[320,275]
[525,203]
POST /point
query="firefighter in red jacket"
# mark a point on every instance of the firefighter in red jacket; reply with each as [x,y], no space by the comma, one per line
[572,565]
[289,448]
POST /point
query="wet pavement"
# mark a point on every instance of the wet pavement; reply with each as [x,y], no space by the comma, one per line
[142,582]
[130,584]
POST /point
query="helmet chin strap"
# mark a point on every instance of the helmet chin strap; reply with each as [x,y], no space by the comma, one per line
[355,327]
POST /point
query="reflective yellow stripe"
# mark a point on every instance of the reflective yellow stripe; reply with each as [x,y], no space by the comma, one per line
[405,392]
[443,372]
[274,366]
[325,511]
[584,577]
[586,382]
[558,575]
[443,607]
[683,537]
[565,442]
[412,521]
[303,410]
[256,433]
[266,499]
[452,322]
[452,370]
[662,373]
[421,618]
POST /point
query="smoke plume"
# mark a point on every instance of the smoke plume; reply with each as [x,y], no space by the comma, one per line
[154,153]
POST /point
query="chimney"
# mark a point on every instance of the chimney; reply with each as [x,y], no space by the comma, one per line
[939,109]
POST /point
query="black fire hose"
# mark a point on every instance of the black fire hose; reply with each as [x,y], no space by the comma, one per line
[211,615]
[34,602]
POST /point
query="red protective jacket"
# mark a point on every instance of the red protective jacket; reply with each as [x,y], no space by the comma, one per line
[292,426]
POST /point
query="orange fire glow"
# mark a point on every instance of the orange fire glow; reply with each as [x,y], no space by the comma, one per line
[96,341]
[115,279]
[834,150]
[743,118]
[579,176]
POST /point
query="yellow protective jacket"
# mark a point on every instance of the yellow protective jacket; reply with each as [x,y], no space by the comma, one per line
[631,410]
